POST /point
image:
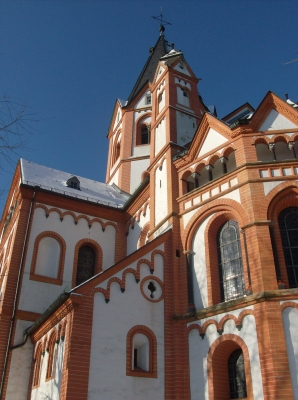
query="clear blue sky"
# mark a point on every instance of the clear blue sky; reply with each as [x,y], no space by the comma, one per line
[70,60]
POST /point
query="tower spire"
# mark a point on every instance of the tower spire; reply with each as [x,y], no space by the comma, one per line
[162,22]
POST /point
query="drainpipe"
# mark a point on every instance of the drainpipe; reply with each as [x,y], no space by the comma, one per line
[17,293]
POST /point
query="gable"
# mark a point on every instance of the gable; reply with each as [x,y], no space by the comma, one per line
[213,139]
[159,72]
[117,116]
[181,67]
[276,121]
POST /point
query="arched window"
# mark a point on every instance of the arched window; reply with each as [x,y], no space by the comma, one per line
[288,225]
[52,349]
[38,364]
[141,354]
[230,262]
[86,264]
[141,358]
[237,378]
[161,101]
[144,134]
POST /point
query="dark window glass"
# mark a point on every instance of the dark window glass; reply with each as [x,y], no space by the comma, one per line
[86,264]
[237,378]
[230,262]
[288,225]
[144,135]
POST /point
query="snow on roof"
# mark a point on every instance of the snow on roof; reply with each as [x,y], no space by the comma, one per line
[55,181]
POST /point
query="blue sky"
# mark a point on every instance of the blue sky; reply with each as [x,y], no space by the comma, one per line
[70,60]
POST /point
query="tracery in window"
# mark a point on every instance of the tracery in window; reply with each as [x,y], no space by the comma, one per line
[230,262]
[288,225]
[237,379]
[86,264]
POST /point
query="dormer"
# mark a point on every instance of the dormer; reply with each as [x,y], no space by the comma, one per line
[73,183]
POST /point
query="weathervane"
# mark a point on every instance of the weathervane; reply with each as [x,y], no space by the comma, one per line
[162,22]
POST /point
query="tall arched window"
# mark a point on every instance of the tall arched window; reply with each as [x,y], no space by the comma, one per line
[38,364]
[86,264]
[288,225]
[230,262]
[144,134]
[51,368]
[237,379]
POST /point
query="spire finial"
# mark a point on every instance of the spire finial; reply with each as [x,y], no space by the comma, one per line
[162,22]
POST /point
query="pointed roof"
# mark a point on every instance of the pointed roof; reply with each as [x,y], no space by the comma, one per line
[159,50]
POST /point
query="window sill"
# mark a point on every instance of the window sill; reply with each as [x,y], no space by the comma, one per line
[46,279]
[139,373]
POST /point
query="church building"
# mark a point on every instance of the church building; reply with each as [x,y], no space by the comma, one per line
[175,279]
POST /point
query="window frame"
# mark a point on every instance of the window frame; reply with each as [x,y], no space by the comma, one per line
[223,262]
[130,369]
[42,278]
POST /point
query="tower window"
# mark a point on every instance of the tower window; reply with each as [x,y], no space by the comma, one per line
[144,135]
[237,378]
[148,99]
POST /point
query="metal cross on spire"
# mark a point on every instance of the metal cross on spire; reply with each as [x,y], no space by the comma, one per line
[162,22]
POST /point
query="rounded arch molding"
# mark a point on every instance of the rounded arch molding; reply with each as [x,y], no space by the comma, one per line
[220,349]
[219,205]
[279,194]
[98,257]
[62,243]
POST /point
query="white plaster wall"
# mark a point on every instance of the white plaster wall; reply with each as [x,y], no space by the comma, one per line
[186,127]
[233,195]
[276,121]
[20,367]
[184,70]
[160,135]
[118,117]
[198,352]
[134,234]
[161,193]
[36,296]
[143,150]
[50,390]
[137,168]
[212,140]
[290,323]
[112,322]
[199,267]
[268,186]
[143,101]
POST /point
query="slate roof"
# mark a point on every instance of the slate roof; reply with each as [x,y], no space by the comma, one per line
[159,50]
[54,180]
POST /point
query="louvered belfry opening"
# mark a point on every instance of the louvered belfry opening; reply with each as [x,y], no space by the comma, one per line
[86,264]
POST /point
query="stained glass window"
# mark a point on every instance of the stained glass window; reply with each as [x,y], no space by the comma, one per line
[288,225]
[86,264]
[230,262]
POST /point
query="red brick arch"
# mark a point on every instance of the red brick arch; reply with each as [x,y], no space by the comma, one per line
[218,205]
[152,373]
[62,243]
[217,359]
